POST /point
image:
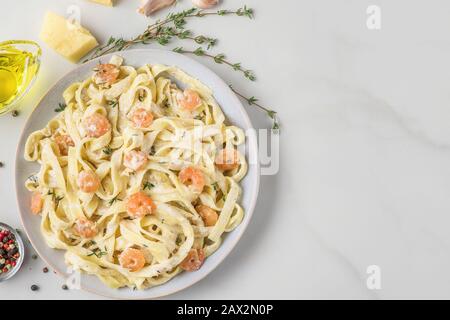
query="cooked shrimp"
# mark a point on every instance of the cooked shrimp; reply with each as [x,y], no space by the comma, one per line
[142,118]
[88,181]
[63,142]
[106,74]
[85,228]
[193,260]
[132,259]
[227,159]
[135,160]
[139,205]
[36,203]
[189,99]
[96,125]
[208,215]
[194,177]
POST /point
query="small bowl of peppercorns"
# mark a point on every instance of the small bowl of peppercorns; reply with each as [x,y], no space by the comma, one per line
[11,252]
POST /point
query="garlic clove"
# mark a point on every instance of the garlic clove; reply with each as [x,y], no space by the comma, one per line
[151,6]
[205,4]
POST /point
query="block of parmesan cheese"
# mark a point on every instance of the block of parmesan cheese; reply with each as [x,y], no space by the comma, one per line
[70,40]
[108,3]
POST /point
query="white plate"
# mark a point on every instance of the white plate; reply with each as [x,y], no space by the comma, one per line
[236,115]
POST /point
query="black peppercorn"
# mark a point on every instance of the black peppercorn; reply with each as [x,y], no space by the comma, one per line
[64,287]
[34,287]
[15,113]
[45,270]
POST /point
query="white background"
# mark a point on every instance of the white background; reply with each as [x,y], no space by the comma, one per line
[365,145]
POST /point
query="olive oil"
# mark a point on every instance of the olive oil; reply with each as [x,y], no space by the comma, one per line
[18,68]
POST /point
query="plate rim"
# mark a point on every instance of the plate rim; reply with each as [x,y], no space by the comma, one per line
[255,157]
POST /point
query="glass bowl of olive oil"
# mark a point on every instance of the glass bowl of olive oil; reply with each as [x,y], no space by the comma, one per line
[19,66]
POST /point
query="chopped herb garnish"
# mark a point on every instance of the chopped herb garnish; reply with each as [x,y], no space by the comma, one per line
[148,185]
[55,197]
[108,151]
[116,198]
[58,199]
[90,243]
[98,253]
[61,107]
[113,103]
[152,151]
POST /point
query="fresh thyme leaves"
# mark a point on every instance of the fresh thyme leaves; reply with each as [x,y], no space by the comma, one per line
[61,107]
[58,199]
[97,252]
[148,185]
[113,103]
[252,101]
[116,198]
[215,185]
[33,178]
[90,243]
[108,151]
[173,26]
[219,59]
[55,197]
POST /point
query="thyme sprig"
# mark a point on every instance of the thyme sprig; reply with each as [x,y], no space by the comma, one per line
[116,198]
[173,26]
[97,252]
[55,197]
[252,101]
[219,59]
[148,185]
[108,150]
[34,179]
[61,107]
[113,103]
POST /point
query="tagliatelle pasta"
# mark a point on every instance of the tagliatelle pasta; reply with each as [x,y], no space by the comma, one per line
[132,183]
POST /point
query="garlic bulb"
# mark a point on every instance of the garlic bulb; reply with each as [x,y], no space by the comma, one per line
[205,4]
[150,6]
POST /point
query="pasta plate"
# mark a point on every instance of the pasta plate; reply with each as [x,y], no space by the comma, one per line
[236,117]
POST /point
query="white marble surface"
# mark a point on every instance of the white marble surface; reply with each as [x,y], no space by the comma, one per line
[365,146]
